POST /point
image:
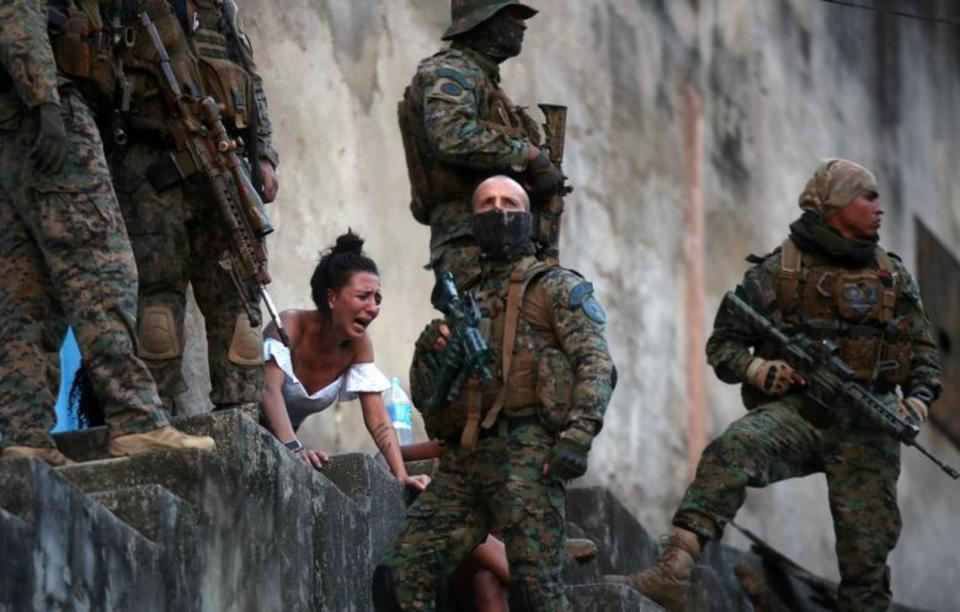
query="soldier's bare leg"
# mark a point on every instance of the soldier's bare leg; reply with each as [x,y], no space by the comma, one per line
[862,470]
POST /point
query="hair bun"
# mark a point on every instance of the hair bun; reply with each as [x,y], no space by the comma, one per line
[348,243]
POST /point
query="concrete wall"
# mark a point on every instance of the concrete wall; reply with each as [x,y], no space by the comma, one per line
[693,127]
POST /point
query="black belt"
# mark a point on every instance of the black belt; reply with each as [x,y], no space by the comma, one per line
[502,428]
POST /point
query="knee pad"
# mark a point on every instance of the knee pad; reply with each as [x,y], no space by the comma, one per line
[246,345]
[384,593]
[518,597]
[157,334]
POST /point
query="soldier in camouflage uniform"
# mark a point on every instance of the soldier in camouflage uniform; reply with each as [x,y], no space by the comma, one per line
[511,445]
[459,127]
[177,234]
[829,281]
[64,257]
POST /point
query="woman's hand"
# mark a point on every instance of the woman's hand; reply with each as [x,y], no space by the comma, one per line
[315,459]
[417,483]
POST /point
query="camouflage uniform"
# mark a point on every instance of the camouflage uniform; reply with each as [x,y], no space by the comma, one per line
[499,485]
[176,233]
[461,129]
[789,437]
[64,256]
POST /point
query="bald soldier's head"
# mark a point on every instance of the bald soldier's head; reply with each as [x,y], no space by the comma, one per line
[500,192]
[502,224]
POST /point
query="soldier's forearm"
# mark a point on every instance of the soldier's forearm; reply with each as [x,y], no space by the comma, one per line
[25,52]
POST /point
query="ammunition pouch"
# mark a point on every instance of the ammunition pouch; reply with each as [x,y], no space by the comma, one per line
[555,382]
[218,58]
[431,181]
[86,56]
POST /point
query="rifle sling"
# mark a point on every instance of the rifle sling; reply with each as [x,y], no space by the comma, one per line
[471,430]
[514,298]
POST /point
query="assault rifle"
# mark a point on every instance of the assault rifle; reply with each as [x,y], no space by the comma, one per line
[829,379]
[549,212]
[467,353]
[211,152]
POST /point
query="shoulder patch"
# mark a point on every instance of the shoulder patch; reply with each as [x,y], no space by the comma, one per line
[579,294]
[456,76]
[581,297]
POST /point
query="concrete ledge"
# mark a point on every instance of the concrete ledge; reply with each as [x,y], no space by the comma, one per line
[609,598]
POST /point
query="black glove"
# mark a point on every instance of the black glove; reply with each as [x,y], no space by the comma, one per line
[50,148]
[543,177]
[568,458]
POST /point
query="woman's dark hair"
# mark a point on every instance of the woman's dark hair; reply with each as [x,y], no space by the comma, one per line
[337,264]
[84,404]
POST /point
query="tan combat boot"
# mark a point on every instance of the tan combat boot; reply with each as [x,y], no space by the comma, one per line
[50,455]
[165,438]
[581,550]
[666,582]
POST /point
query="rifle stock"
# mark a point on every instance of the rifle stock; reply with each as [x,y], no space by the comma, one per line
[829,379]
[549,213]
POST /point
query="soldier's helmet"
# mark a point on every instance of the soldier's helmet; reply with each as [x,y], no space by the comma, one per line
[468,14]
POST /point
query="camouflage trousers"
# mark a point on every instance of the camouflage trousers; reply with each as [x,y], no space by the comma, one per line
[178,240]
[496,488]
[773,443]
[65,260]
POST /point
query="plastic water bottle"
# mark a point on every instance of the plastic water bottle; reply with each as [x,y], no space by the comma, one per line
[400,410]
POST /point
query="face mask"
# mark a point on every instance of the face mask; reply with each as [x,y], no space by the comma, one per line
[499,38]
[501,235]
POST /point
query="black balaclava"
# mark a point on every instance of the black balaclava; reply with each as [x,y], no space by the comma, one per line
[499,38]
[502,235]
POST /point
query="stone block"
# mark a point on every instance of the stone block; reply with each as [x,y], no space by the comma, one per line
[69,552]
[609,598]
[625,547]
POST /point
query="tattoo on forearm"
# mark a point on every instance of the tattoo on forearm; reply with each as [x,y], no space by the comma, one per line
[382,437]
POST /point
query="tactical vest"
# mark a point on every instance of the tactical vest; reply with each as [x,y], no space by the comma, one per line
[533,378]
[433,181]
[854,308]
[84,50]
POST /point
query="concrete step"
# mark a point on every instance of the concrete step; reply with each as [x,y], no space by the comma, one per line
[609,598]
[67,551]
[177,527]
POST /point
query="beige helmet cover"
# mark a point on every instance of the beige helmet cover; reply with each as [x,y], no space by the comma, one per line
[836,183]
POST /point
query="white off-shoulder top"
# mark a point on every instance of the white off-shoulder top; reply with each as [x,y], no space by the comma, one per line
[358,378]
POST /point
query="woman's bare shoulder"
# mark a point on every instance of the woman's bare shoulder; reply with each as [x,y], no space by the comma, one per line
[363,349]
[295,322]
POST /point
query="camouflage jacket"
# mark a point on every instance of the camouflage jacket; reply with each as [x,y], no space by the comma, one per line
[26,59]
[471,127]
[728,349]
[559,316]
[220,63]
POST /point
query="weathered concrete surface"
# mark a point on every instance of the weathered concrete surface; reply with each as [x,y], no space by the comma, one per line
[62,552]
[782,83]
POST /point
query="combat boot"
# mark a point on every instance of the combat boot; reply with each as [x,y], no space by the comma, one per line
[50,455]
[666,582]
[581,550]
[165,438]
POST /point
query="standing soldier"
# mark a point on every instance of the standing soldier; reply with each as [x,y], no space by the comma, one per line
[509,445]
[64,255]
[829,281]
[177,234]
[459,127]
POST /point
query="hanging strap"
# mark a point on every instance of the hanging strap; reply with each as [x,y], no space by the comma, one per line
[512,318]
[791,259]
[471,430]
[888,298]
